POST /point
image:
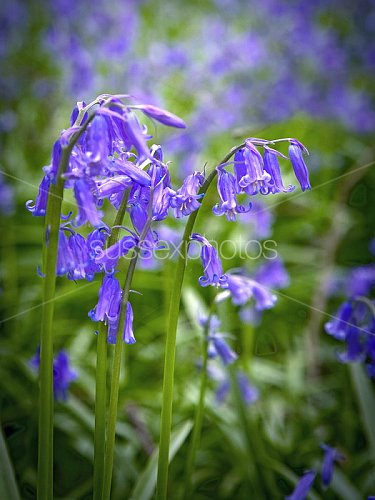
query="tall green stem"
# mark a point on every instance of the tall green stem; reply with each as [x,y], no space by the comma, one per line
[170,348]
[116,367]
[195,439]
[101,377]
[51,234]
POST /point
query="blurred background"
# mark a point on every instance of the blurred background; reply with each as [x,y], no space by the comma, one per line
[231,70]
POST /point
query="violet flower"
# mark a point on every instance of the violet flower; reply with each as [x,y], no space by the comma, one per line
[296,150]
[40,205]
[185,200]
[161,115]
[331,455]
[212,267]
[242,289]
[226,187]
[303,486]
[87,211]
[271,165]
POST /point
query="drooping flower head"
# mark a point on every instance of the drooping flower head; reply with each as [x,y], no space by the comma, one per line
[185,200]
[212,267]
[227,189]
[303,486]
[331,455]
[296,151]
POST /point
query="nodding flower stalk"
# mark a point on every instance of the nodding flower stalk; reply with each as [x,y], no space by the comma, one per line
[60,161]
[170,350]
[253,174]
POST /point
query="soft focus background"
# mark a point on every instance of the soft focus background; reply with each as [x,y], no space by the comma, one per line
[230,69]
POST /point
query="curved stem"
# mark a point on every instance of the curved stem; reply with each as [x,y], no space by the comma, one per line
[116,368]
[170,348]
[195,439]
[101,376]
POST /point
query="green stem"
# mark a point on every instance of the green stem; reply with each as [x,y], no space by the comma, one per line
[170,348]
[51,234]
[116,367]
[195,439]
[101,376]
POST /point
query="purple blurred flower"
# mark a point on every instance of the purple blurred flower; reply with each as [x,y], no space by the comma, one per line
[272,274]
[242,289]
[63,375]
[107,259]
[87,211]
[303,486]
[331,455]
[222,349]
[212,267]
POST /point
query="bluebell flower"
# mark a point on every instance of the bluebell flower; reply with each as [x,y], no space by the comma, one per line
[135,173]
[185,200]
[303,486]
[212,267]
[40,206]
[52,170]
[97,141]
[242,289]
[127,335]
[105,188]
[161,115]
[331,455]
[87,211]
[65,259]
[222,349]
[226,187]
[63,375]
[249,393]
[107,259]
[360,281]
[272,274]
[139,218]
[256,180]
[135,135]
[108,306]
[339,326]
[80,254]
[7,197]
[296,150]
[271,165]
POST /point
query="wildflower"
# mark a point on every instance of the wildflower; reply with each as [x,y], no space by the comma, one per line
[128,335]
[271,165]
[107,259]
[249,393]
[63,375]
[338,327]
[108,306]
[213,271]
[242,289]
[296,150]
[331,455]
[86,204]
[222,349]
[40,206]
[226,186]
[272,274]
[303,486]
[185,200]
[161,115]
[256,178]
[80,254]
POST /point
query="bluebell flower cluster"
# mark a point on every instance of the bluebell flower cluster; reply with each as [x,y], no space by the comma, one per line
[63,374]
[257,174]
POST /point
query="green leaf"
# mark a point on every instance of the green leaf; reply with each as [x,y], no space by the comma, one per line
[8,485]
[343,487]
[145,486]
[366,401]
